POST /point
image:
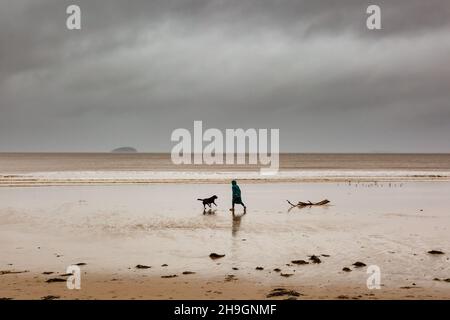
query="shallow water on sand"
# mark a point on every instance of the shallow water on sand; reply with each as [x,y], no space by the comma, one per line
[113,228]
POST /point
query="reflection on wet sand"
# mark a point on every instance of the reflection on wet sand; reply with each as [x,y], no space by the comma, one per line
[236,222]
[209,212]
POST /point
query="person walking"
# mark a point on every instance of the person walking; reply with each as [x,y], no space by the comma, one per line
[237,198]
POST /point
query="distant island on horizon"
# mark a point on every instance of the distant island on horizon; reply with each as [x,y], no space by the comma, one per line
[124,150]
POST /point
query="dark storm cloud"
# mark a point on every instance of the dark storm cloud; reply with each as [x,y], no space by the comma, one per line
[139,69]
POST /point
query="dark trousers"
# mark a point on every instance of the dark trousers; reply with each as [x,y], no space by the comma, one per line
[237,200]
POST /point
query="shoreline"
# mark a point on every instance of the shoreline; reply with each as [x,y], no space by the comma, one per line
[74,178]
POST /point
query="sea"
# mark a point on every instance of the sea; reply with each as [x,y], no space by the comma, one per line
[147,167]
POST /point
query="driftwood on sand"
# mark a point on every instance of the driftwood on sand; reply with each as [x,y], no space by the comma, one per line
[309,203]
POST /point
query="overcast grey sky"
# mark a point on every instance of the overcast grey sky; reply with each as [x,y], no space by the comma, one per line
[139,69]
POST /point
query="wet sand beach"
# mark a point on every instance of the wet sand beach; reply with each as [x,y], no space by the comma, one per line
[112,229]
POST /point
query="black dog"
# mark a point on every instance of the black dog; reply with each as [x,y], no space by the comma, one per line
[208,201]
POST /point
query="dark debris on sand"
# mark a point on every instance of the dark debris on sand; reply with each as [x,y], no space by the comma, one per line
[216,255]
[50,297]
[55,280]
[230,277]
[277,270]
[169,276]
[359,264]
[435,252]
[299,262]
[2,272]
[259,268]
[188,272]
[286,275]
[346,269]
[279,292]
[315,259]
[142,266]
[80,264]
[445,280]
